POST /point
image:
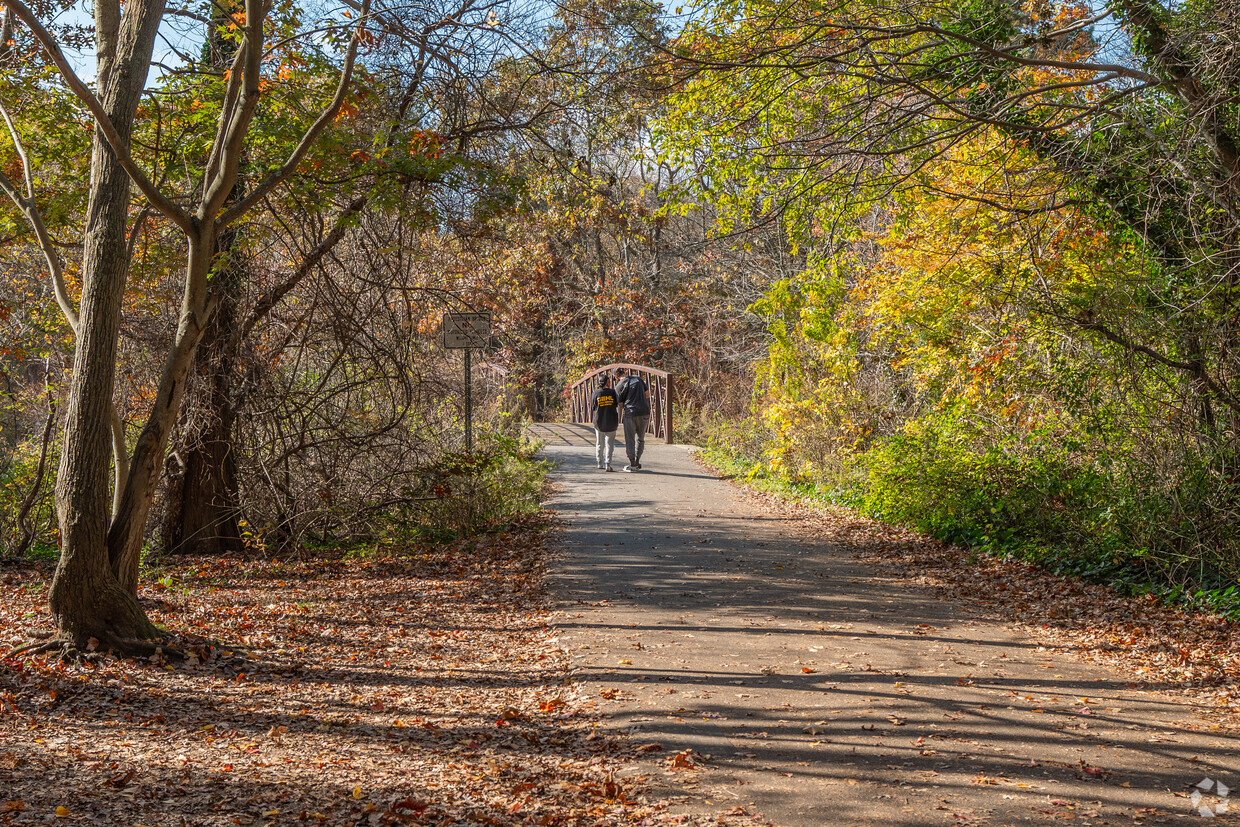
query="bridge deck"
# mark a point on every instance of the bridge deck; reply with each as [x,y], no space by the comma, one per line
[561,433]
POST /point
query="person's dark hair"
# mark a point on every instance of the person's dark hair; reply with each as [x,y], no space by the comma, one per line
[620,371]
[603,379]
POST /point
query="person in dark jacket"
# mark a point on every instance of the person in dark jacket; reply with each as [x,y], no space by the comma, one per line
[635,398]
[605,414]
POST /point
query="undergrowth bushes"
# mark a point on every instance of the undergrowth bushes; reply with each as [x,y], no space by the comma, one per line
[465,493]
[1131,527]
[978,493]
[449,495]
[17,479]
[454,495]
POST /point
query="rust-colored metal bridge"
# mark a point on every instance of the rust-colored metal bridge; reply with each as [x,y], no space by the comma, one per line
[658,381]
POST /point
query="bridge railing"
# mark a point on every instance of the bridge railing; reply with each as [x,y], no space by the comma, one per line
[661,396]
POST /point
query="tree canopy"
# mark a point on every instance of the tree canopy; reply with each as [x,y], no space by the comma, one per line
[970,265]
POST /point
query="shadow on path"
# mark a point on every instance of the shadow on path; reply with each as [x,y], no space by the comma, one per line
[827,691]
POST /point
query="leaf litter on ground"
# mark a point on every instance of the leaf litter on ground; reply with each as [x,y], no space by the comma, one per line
[422,688]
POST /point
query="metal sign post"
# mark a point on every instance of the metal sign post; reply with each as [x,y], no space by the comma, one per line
[466,331]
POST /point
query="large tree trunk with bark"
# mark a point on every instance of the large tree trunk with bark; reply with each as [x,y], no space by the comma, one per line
[203,503]
[87,598]
[205,517]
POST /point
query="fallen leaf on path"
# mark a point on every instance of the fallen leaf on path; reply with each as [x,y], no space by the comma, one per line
[682,760]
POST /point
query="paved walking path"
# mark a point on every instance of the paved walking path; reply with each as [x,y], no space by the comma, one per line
[827,692]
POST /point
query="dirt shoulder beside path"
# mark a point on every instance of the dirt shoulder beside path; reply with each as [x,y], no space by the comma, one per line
[839,673]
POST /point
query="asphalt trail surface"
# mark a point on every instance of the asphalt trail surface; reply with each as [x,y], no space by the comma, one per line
[814,688]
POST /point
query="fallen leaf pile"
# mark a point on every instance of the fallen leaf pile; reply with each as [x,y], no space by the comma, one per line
[424,689]
[1158,645]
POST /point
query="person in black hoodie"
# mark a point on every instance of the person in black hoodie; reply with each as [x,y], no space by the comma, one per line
[605,414]
[635,397]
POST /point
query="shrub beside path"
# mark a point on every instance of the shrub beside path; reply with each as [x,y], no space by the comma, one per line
[802,666]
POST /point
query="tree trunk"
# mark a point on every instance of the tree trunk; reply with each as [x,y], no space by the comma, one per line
[86,598]
[210,510]
[203,500]
[127,531]
[203,503]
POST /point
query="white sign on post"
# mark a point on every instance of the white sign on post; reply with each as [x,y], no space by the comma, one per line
[466,330]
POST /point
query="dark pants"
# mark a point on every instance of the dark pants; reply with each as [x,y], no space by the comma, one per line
[635,437]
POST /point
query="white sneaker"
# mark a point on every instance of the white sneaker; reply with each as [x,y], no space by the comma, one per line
[628,468]
[600,466]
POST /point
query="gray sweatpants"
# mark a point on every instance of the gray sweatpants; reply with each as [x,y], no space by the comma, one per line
[604,443]
[635,437]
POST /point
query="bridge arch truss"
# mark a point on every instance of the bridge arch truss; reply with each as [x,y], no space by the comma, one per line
[661,397]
